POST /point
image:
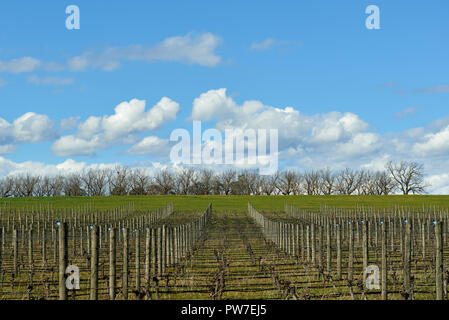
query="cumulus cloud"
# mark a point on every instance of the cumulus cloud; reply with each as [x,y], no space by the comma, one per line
[8,167]
[68,166]
[189,49]
[298,131]
[129,119]
[69,124]
[28,128]
[433,143]
[150,146]
[7,149]
[439,183]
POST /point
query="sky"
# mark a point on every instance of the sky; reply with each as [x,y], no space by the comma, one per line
[340,94]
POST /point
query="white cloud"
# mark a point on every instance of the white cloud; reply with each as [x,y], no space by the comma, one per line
[68,166]
[69,124]
[318,131]
[263,45]
[213,104]
[439,183]
[50,81]
[20,65]
[334,126]
[359,145]
[150,146]
[33,127]
[434,143]
[8,167]
[130,118]
[405,113]
[71,145]
[437,89]
[188,49]
[2,83]
[28,128]
[7,148]
[377,164]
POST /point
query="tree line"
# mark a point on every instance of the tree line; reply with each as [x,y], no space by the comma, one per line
[398,177]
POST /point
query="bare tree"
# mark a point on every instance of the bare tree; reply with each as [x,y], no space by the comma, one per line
[268,184]
[73,186]
[57,186]
[164,182]
[185,179]
[139,182]
[384,183]
[25,186]
[44,187]
[226,179]
[348,180]
[7,187]
[409,176]
[327,181]
[118,180]
[288,182]
[204,182]
[311,182]
[95,182]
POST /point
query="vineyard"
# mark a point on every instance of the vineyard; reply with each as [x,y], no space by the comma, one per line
[87,252]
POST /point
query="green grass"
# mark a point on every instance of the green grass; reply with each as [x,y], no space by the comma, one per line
[233,203]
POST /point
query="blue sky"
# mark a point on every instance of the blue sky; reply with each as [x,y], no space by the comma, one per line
[314,56]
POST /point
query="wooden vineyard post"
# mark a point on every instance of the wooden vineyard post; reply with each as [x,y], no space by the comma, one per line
[308,242]
[112,262]
[15,248]
[94,264]
[154,251]
[407,261]
[438,261]
[30,247]
[297,242]
[125,264]
[338,226]
[63,260]
[44,247]
[365,248]
[351,252]
[2,235]
[162,251]
[2,250]
[147,271]
[73,241]
[384,280]
[30,254]
[320,245]
[312,240]
[137,245]
[303,243]
[328,248]
[423,237]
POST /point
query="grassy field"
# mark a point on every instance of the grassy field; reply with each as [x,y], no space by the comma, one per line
[233,203]
[233,251]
